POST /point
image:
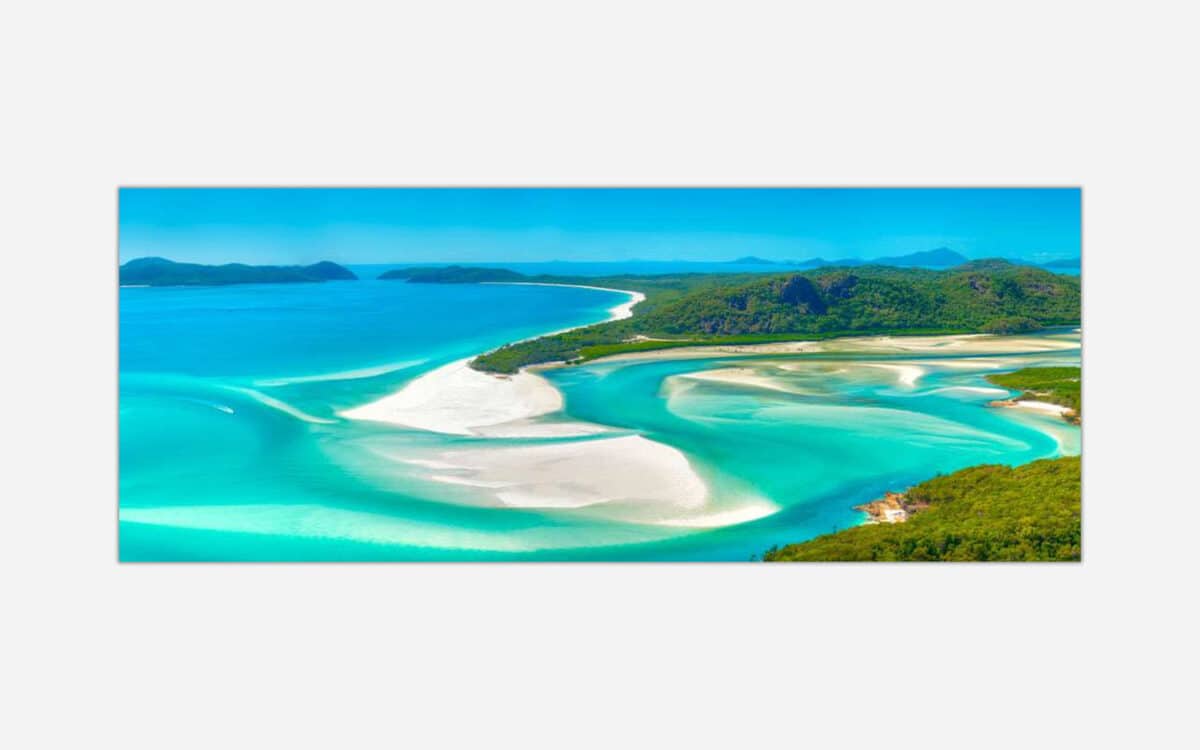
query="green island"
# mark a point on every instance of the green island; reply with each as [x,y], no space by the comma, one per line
[987,296]
[982,513]
[1055,385]
[163,272]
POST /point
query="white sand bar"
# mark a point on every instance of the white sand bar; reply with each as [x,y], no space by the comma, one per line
[741,376]
[649,480]
[958,345]
[457,400]
[1041,406]
[907,374]
[620,312]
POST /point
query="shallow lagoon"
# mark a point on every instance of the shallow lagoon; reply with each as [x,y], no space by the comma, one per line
[231,447]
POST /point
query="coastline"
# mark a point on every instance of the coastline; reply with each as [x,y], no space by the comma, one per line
[456,399]
[916,345]
[1044,407]
[619,312]
[608,473]
[600,470]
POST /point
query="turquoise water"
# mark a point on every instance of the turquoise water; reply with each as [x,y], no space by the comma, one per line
[232,447]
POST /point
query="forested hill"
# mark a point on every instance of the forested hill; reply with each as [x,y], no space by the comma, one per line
[992,296]
[1055,385]
[163,272]
[1030,513]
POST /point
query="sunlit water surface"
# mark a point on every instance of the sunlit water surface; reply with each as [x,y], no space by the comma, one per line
[232,447]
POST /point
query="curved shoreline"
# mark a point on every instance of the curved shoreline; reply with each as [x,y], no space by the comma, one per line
[619,312]
[612,473]
[620,476]
[456,399]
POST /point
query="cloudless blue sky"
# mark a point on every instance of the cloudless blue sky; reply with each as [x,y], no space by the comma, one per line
[394,225]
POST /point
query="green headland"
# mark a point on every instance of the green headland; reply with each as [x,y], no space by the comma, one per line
[163,272]
[982,513]
[1054,385]
[990,296]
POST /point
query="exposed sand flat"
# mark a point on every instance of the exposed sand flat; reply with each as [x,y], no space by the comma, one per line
[531,428]
[959,345]
[908,375]
[640,479]
[977,363]
[709,351]
[1041,406]
[742,376]
[982,390]
[457,400]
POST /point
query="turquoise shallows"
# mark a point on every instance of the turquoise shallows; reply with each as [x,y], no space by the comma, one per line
[232,447]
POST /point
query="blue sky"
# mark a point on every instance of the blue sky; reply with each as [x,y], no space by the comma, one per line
[395,225]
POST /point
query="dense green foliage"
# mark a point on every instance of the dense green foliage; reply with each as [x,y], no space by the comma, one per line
[982,513]
[983,296]
[871,298]
[1007,326]
[163,272]
[451,275]
[1055,385]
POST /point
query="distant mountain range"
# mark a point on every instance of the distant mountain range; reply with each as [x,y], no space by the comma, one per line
[941,257]
[163,272]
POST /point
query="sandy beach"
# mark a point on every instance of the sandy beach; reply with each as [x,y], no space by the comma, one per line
[1039,406]
[457,400]
[906,374]
[579,473]
[620,312]
[626,478]
[958,344]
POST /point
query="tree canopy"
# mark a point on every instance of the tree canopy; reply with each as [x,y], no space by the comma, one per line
[983,513]
[980,297]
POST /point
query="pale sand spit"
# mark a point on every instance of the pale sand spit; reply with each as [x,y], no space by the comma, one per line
[620,312]
[1041,406]
[652,480]
[963,344]
[457,400]
[908,375]
[741,376]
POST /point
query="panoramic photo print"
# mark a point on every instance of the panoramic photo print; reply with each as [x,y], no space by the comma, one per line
[599,374]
